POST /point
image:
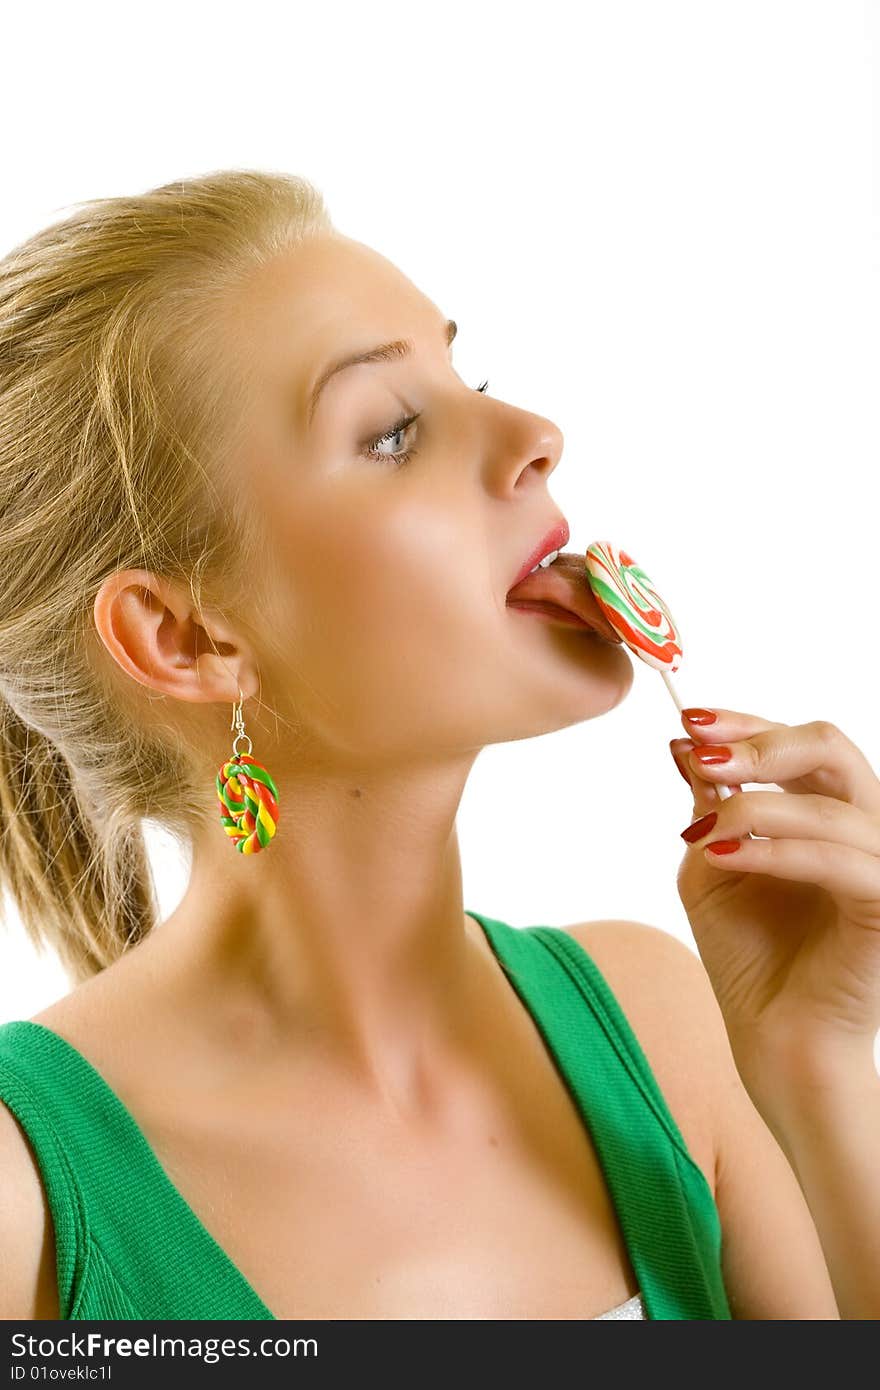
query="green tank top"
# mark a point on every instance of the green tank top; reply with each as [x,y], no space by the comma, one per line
[129,1246]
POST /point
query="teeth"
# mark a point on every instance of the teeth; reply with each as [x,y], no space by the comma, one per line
[547,560]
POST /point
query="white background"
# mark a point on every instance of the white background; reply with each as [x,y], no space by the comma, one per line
[656,224]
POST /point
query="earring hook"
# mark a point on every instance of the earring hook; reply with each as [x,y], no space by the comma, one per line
[236,709]
[238,723]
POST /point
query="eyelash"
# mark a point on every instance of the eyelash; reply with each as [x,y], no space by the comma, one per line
[402,456]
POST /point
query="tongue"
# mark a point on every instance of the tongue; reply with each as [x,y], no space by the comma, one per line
[565,584]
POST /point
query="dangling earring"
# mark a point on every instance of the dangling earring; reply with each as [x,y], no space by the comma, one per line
[247,794]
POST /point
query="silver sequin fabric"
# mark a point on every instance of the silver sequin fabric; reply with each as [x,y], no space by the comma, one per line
[633,1308]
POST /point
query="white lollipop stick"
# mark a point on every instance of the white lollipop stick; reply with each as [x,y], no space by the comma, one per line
[667,679]
[639,616]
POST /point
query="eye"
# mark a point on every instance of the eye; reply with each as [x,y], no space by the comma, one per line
[400,456]
[397,456]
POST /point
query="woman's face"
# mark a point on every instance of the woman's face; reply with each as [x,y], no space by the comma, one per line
[391,560]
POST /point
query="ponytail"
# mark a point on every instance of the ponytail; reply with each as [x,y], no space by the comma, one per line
[119,432]
[84,896]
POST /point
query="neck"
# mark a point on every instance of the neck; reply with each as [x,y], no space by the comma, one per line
[347,934]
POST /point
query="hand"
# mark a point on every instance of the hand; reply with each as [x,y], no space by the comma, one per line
[788,925]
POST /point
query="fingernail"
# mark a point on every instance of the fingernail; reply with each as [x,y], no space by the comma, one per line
[715,753]
[724,846]
[700,716]
[675,759]
[699,828]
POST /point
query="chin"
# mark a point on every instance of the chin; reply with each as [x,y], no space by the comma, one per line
[574,698]
[596,683]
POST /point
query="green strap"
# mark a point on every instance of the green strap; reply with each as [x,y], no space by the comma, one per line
[665,1207]
[114,1208]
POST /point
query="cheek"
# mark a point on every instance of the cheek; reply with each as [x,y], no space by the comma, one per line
[392,627]
[408,596]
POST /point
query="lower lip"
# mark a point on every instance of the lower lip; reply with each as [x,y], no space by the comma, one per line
[552,613]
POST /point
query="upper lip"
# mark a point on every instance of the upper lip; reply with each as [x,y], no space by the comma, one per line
[554,539]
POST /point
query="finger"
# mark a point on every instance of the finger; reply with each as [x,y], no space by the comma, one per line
[781,815]
[705,795]
[726,723]
[678,747]
[849,873]
[798,757]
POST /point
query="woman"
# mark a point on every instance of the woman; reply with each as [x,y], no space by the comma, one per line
[321,1088]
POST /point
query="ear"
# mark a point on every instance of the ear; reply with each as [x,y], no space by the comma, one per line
[152,630]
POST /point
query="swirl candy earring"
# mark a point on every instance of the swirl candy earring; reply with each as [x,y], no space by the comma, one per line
[247,794]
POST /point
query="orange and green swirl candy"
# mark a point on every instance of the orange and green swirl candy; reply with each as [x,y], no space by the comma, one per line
[248,803]
[632,606]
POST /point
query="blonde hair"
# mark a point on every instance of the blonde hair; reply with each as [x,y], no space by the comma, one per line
[117,435]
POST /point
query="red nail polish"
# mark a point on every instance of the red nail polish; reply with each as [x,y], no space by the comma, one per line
[715,753]
[724,846]
[700,716]
[699,828]
[678,764]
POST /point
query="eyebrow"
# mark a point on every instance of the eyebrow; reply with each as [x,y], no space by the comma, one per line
[385,352]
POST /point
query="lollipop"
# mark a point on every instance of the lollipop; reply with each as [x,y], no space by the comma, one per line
[637,613]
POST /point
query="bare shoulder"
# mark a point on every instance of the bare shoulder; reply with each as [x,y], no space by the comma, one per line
[96,1015]
[28,1282]
[773,1263]
[642,963]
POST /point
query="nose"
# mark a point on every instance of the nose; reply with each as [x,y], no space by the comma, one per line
[526,444]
